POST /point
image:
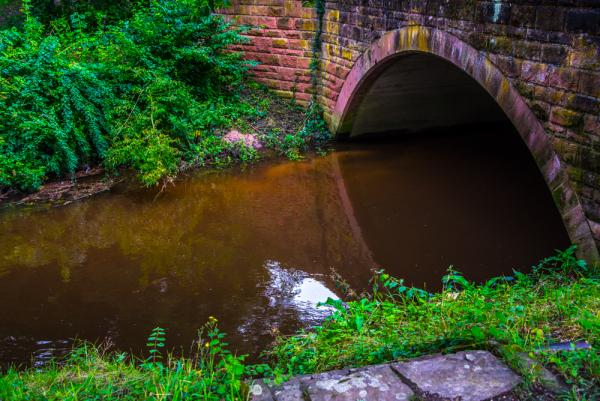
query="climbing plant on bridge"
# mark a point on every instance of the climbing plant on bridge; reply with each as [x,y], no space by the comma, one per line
[315,129]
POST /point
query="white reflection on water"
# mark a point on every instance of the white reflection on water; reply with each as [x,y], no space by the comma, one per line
[291,301]
[297,292]
[311,292]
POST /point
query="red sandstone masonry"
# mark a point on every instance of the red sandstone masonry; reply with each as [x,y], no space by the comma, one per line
[282,43]
[550,52]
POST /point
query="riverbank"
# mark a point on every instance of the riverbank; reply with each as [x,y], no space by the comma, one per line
[512,317]
[274,131]
[154,89]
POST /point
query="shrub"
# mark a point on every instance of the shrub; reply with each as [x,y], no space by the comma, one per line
[55,111]
[313,134]
[141,92]
[105,11]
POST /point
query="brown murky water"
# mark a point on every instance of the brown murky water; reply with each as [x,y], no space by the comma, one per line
[253,247]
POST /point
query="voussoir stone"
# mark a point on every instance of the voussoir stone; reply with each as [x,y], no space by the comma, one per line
[467,376]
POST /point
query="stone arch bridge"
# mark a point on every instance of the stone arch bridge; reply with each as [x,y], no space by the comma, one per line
[414,64]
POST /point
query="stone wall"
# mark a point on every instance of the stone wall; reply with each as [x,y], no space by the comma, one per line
[281,42]
[549,51]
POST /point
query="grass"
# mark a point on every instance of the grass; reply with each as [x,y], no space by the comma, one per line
[91,373]
[559,300]
[512,316]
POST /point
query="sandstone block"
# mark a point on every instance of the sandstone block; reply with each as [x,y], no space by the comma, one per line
[589,83]
[591,124]
[554,54]
[550,18]
[583,20]
[565,117]
[522,15]
[495,13]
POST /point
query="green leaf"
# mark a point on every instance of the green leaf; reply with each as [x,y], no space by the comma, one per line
[477,333]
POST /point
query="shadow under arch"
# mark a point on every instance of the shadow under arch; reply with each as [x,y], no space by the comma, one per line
[419,39]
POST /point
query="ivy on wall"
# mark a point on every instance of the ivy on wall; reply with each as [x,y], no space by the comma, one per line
[315,126]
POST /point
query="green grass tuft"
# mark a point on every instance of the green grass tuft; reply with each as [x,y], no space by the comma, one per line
[213,373]
[558,301]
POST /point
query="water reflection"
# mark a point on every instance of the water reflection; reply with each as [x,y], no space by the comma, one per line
[254,247]
[292,298]
[119,264]
[296,290]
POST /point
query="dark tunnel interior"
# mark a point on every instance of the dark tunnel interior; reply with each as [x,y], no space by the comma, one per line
[416,92]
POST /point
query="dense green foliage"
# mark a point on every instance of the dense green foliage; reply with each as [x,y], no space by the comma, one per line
[100,12]
[48,10]
[147,92]
[147,84]
[558,301]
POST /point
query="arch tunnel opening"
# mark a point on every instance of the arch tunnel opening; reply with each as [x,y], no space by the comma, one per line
[415,92]
[439,176]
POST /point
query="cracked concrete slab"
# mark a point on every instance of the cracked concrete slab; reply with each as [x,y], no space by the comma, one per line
[259,391]
[376,383]
[467,376]
[464,376]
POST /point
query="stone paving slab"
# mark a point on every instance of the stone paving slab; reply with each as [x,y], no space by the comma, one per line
[377,383]
[259,391]
[373,383]
[289,391]
[464,376]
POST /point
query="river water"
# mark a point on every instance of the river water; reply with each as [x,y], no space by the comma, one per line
[253,247]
